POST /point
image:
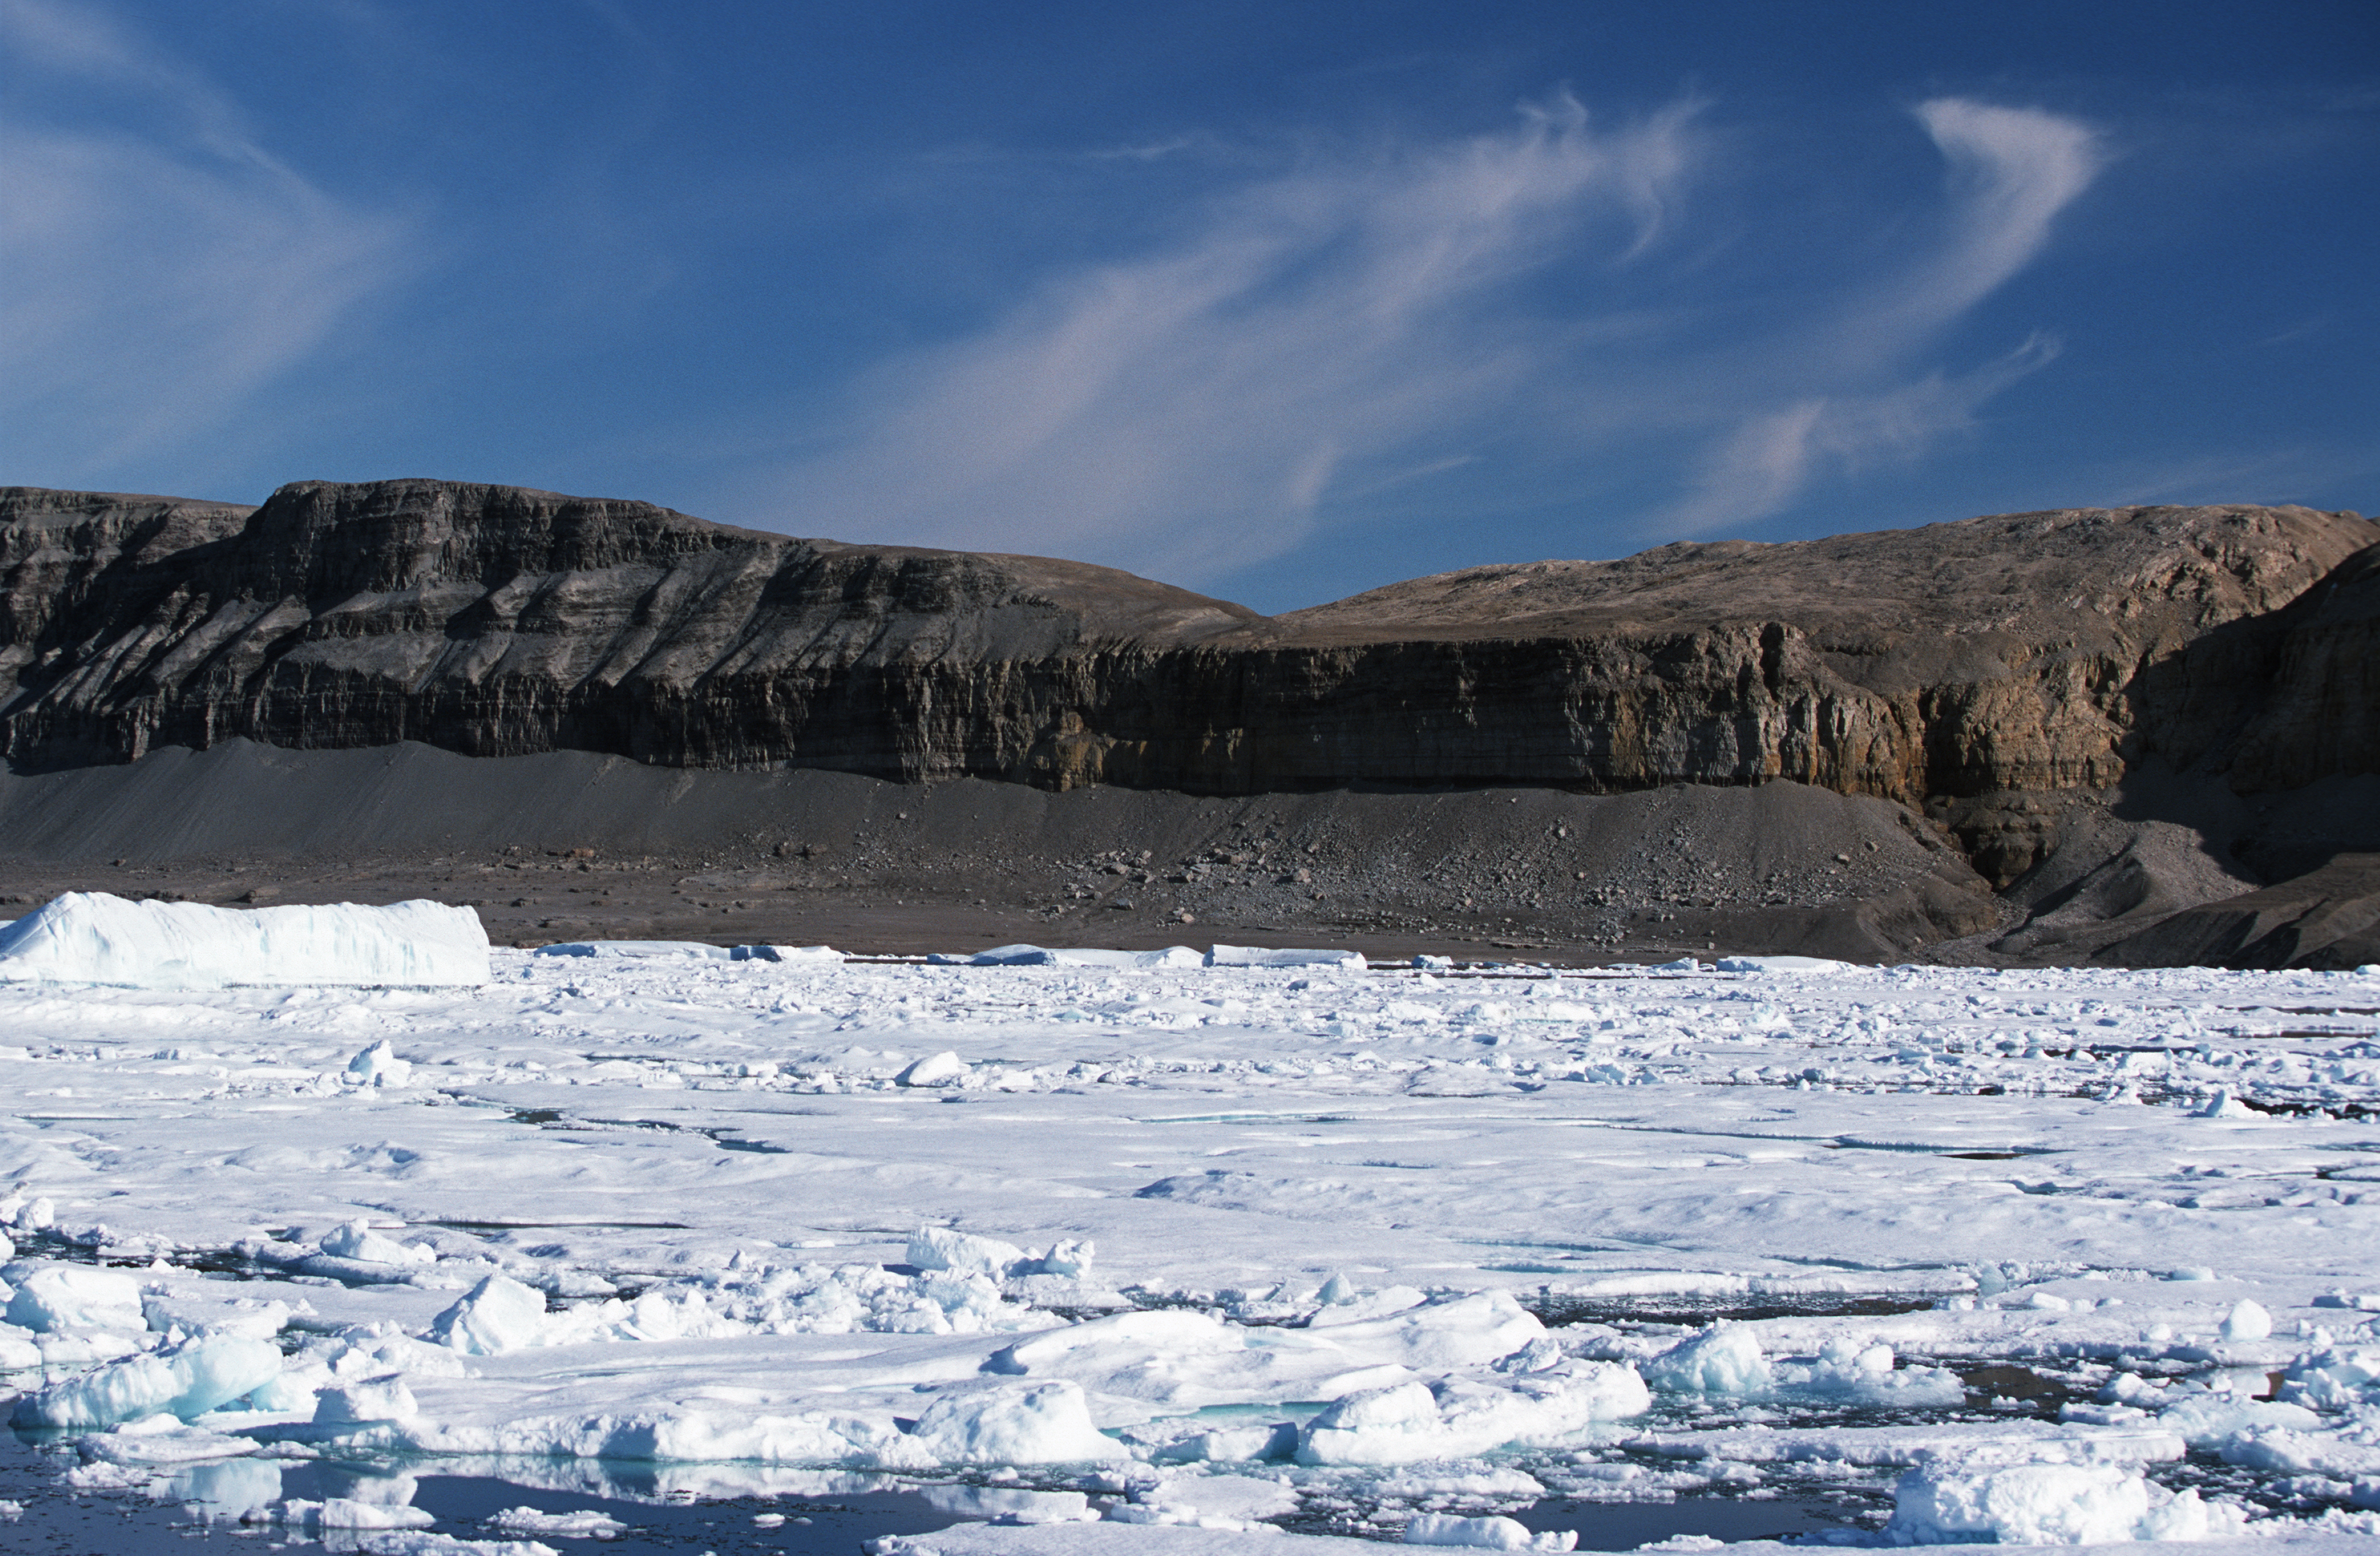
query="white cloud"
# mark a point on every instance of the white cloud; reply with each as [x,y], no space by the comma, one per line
[1184,412]
[2011,171]
[1772,458]
[157,280]
[1321,338]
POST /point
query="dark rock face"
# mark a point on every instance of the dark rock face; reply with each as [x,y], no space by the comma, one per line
[2122,715]
[2321,715]
[497,622]
[2030,653]
[2328,918]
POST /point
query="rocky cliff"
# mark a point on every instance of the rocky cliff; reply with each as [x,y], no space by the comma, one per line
[1958,663]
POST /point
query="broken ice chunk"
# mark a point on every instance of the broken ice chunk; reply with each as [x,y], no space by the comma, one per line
[2248,1320]
[2045,1504]
[1722,1359]
[938,1247]
[379,1065]
[357,1241]
[373,1398]
[1037,1424]
[1493,1533]
[51,1297]
[939,1069]
[182,1380]
[498,1315]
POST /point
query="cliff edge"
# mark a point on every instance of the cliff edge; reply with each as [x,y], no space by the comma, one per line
[2016,678]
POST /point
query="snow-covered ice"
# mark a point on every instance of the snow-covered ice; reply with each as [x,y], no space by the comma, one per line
[91,937]
[1146,1252]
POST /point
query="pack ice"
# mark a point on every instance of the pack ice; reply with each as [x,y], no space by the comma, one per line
[1150,1252]
[92,937]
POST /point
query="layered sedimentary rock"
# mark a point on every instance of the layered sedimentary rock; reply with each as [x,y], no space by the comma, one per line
[2018,654]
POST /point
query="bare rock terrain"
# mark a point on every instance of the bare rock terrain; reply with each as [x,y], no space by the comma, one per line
[2034,737]
[570,845]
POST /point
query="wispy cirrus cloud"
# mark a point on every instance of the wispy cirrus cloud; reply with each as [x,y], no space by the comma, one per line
[1321,337]
[2012,172]
[1763,465]
[1185,411]
[163,267]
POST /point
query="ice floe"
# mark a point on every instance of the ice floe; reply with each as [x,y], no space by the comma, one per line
[1152,1252]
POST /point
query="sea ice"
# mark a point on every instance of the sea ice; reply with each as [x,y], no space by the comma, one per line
[1969,1168]
[91,937]
[49,1298]
[341,1514]
[1033,1424]
[1484,1534]
[368,1399]
[1723,1359]
[2046,1505]
[498,1315]
[184,1380]
[1040,956]
[1268,956]
[586,1523]
[379,1065]
[356,1240]
[1804,967]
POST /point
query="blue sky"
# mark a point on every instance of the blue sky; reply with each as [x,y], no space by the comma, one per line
[1276,301]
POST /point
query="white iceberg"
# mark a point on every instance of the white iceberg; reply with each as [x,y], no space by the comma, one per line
[2248,1320]
[1413,1422]
[91,937]
[585,1524]
[161,1439]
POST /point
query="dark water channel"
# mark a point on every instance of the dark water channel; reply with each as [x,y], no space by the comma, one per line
[197,1509]
[201,1506]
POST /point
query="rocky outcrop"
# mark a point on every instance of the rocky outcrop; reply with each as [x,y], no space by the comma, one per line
[495,621]
[2025,654]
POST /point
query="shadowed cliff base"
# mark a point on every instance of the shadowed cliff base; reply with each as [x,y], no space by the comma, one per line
[2034,736]
[570,844]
